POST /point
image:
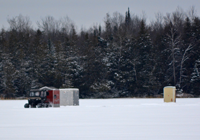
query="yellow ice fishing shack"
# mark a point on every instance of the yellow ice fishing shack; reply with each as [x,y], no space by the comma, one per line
[169,94]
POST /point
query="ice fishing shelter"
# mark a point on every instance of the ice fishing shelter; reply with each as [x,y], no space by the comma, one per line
[62,97]
[69,97]
[53,95]
[169,94]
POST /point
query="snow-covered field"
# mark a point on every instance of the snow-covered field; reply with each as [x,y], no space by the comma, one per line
[102,119]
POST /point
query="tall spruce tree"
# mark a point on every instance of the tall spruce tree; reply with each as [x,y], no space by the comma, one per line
[145,79]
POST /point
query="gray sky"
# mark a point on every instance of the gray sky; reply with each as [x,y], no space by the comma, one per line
[86,13]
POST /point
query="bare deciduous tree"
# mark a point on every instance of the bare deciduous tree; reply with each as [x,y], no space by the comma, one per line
[20,23]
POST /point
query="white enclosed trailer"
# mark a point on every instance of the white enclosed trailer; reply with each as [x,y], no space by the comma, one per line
[69,97]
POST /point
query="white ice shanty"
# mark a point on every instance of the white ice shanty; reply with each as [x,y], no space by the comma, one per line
[69,97]
[64,96]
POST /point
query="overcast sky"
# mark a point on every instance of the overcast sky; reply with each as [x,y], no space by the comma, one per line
[86,13]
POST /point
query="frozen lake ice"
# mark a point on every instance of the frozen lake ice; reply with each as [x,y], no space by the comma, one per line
[102,119]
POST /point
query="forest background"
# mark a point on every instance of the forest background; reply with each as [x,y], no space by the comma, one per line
[126,57]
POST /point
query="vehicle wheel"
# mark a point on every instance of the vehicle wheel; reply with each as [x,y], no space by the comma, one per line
[26,105]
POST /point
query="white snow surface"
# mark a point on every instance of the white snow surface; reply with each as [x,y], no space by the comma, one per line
[102,119]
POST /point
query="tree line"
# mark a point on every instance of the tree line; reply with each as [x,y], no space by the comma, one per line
[126,57]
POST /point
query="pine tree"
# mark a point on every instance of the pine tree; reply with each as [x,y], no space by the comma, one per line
[128,18]
[146,80]
[195,79]
[126,74]
[8,77]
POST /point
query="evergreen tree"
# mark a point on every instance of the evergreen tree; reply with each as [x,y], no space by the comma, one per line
[195,79]
[8,76]
[128,18]
[145,78]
